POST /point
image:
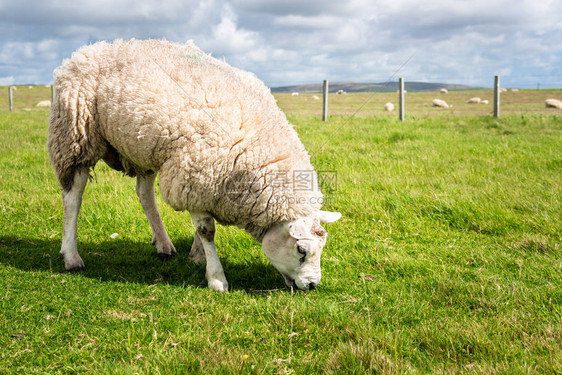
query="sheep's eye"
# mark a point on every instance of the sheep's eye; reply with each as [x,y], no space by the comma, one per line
[302,251]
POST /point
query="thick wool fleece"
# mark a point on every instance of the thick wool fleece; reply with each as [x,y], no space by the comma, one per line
[213,132]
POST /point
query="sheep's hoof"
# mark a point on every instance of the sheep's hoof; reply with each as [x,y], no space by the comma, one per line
[166,251]
[74,264]
[218,285]
[76,269]
[165,256]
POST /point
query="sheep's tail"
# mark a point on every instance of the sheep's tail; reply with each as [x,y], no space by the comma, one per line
[74,140]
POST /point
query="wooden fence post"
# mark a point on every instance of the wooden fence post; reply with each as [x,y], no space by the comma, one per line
[497,96]
[325,106]
[401,98]
[11,98]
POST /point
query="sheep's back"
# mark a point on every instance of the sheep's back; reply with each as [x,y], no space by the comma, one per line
[170,107]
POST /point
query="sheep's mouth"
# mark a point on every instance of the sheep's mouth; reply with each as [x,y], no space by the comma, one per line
[293,285]
[290,281]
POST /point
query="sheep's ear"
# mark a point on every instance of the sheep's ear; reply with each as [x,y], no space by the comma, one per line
[328,217]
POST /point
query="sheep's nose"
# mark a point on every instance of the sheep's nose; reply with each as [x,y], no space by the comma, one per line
[311,286]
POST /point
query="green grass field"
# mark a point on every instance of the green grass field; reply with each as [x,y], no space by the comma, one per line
[448,258]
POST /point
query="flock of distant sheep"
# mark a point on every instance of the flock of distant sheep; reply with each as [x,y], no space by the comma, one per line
[549,103]
[389,107]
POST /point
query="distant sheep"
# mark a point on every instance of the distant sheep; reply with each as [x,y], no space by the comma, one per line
[294,94]
[503,90]
[553,103]
[474,100]
[222,148]
[484,101]
[44,103]
[440,103]
[315,97]
[389,107]
[444,91]
[514,90]
[340,92]
[13,88]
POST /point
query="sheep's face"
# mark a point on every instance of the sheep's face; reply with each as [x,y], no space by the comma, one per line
[294,248]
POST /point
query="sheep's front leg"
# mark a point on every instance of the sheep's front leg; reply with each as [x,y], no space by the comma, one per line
[145,192]
[205,226]
[71,201]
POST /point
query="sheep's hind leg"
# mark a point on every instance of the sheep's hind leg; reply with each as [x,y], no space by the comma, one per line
[205,225]
[72,200]
[197,253]
[145,192]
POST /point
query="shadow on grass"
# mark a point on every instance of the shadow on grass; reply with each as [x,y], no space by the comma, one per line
[135,262]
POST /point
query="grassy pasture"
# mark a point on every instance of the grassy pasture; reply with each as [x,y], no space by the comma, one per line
[448,258]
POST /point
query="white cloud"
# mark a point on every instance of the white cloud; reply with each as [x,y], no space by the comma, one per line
[229,39]
[286,42]
[7,81]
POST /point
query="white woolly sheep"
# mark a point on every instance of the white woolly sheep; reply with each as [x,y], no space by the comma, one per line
[315,97]
[223,149]
[475,100]
[440,103]
[484,101]
[389,107]
[341,92]
[444,91]
[13,88]
[553,103]
[44,103]
[294,94]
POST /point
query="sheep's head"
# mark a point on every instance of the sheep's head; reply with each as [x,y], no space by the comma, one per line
[294,248]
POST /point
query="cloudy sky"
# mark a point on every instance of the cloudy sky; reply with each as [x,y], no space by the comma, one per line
[287,42]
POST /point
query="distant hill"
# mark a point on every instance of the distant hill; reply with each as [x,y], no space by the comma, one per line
[371,87]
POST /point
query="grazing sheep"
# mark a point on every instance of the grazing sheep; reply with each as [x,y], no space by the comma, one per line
[514,90]
[474,100]
[44,103]
[13,88]
[294,94]
[440,103]
[553,103]
[222,147]
[341,92]
[389,107]
[484,101]
[315,97]
[503,90]
[444,91]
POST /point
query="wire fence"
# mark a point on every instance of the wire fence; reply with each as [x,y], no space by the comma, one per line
[435,99]
[371,100]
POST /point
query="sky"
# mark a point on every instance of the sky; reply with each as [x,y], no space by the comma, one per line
[289,42]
